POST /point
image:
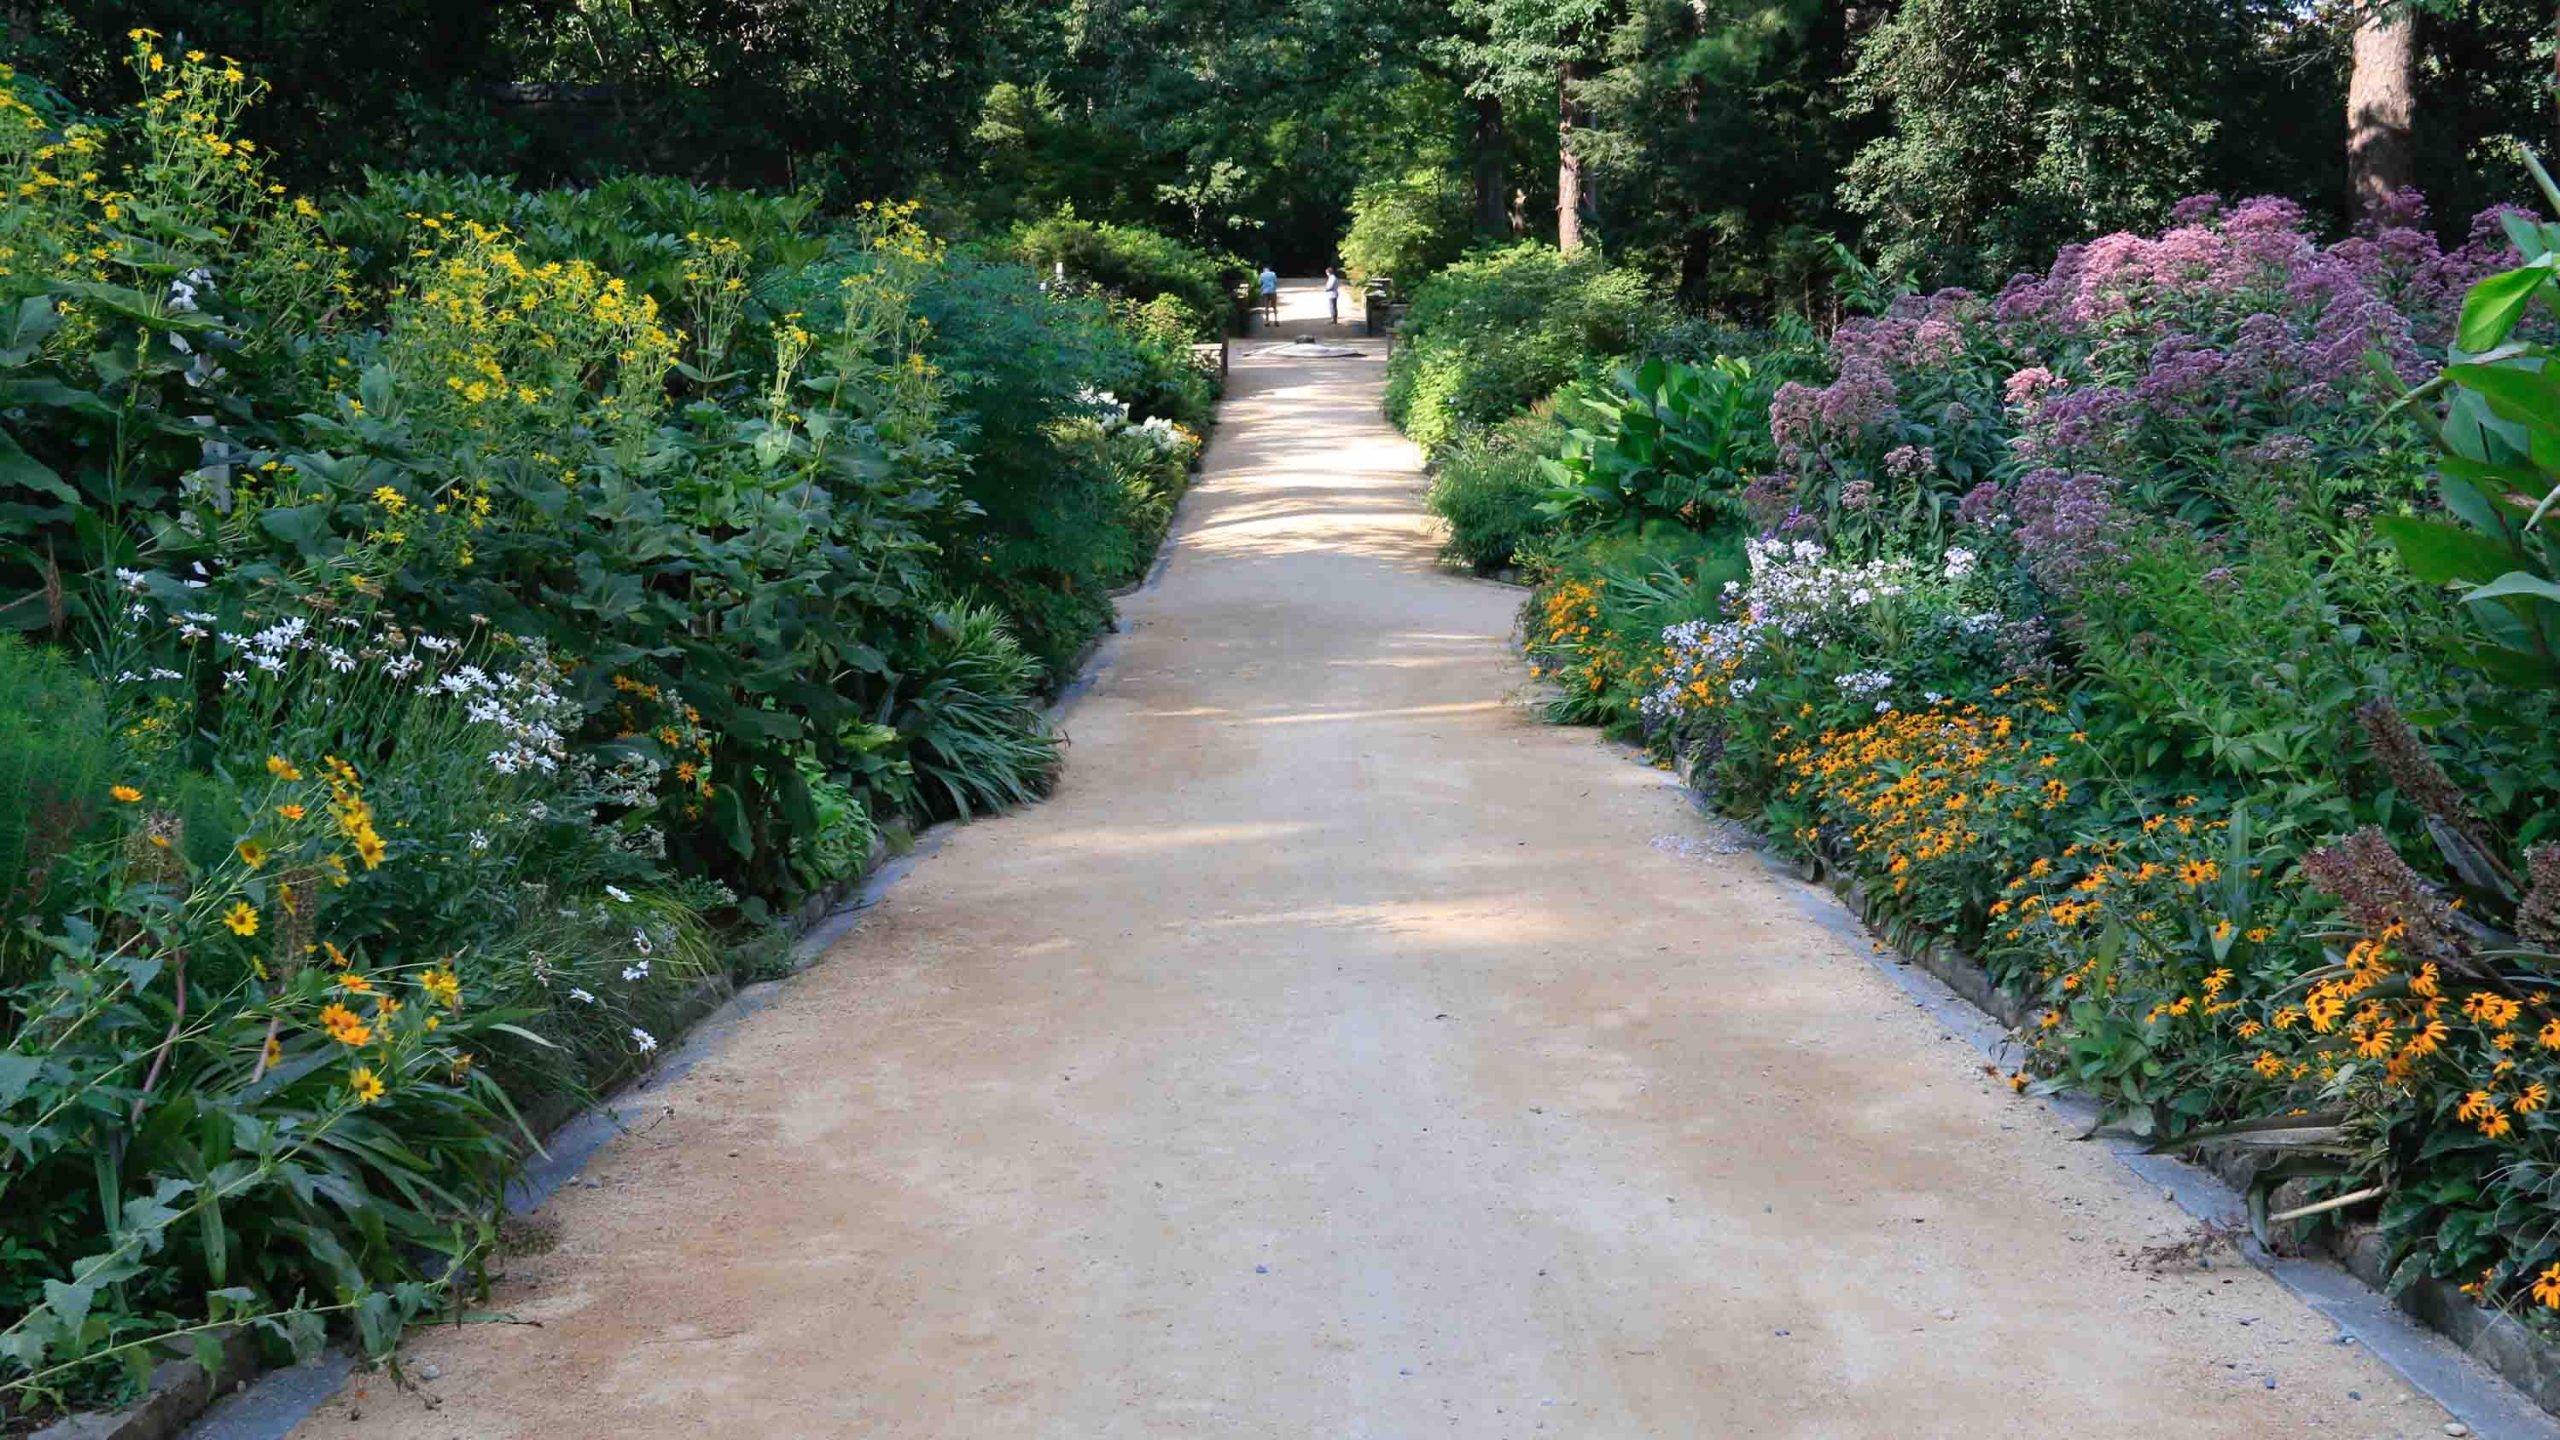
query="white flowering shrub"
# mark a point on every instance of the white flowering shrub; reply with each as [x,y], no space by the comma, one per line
[1876,634]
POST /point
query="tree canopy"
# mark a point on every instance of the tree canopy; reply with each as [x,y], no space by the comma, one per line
[1722,144]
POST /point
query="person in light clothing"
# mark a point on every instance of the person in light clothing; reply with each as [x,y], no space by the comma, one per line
[1333,293]
[1269,281]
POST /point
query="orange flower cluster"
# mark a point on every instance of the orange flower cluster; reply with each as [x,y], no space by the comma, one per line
[1914,786]
[1566,643]
[2377,1007]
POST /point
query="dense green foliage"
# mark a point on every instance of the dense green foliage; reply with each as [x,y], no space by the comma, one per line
[453,617]
[1133,264]
[2016,125]
[1490,335]
[1491,488]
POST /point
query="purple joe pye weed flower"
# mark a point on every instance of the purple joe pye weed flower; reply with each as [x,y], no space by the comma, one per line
[2068,525]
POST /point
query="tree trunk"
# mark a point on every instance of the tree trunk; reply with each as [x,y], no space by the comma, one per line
[2381,106]
[1492,190]
[1568,165]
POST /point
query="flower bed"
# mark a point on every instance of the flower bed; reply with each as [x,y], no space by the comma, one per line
[460,623]
[2100,628]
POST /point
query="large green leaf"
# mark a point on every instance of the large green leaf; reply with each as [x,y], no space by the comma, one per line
[2441,552]
[2528,396]
[2516,585]
[2494,304]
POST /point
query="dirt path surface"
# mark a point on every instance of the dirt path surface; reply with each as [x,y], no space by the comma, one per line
[1343,1054]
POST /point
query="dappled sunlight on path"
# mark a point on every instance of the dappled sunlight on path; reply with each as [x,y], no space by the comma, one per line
[1338,1055]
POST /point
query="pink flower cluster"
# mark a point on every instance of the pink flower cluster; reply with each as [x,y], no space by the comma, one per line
[2243,303]
[2234,318]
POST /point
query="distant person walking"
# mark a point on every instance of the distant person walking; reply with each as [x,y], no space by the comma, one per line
[1270,285]
[1333,293]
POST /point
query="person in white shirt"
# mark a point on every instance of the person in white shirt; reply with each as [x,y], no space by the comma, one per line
[1333,293]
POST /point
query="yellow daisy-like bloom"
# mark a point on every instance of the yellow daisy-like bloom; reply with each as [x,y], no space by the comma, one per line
[252,854]
[366,1084]
[355,984]
[2193,873]
[291,812]
[272,1053]
[2546,1288]
[369,848]
[242,918]
[125,794]
[283,769]
[443,986]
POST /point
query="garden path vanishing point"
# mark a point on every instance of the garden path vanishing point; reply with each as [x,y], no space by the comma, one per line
[1339,1055]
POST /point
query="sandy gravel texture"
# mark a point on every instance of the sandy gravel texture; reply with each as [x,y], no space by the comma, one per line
[1340,1055]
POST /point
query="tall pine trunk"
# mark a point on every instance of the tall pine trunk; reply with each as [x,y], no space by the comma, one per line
[2381,109]
[1568,165]
[1493,209]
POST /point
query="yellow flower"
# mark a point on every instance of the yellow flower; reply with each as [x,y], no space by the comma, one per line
[2193,873]
[355,984]
[442,985]
[271,1054]
[125,794]
[252,854]
[365,1083]
[242,918]
[2546,1288]
[2222,931]
[369,848]
[283,769]
[290,812]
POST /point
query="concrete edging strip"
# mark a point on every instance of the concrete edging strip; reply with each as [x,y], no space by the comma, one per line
[2432,1364]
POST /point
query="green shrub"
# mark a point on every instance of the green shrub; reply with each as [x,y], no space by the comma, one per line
[1489,488]
[1129,262]
[1493,334]
[57,757]
[1404,230]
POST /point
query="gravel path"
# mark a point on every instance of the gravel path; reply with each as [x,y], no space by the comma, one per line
[1343,1054]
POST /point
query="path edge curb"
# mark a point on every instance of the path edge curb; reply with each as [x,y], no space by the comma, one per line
[2486,1369]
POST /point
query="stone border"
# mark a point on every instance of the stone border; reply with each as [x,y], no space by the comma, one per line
[2523,1398]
